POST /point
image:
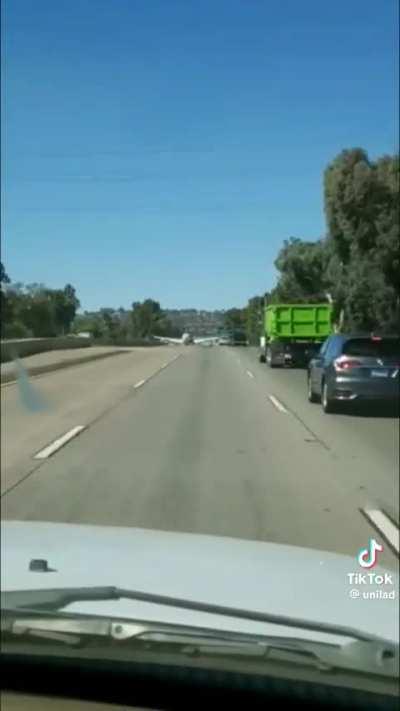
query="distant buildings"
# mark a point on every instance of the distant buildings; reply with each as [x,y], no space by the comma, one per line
[200,323]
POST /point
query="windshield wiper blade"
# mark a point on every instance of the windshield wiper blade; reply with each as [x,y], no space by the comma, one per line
[52,600]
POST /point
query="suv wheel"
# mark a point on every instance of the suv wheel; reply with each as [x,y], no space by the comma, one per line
[312,397]
[328,404]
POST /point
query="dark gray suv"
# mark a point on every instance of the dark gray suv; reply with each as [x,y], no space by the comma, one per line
[352,368]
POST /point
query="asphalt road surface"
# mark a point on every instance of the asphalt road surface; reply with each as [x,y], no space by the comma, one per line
[203,440]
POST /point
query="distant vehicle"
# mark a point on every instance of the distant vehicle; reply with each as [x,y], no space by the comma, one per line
[83,334]
[352,368]
[225,340]
[239,338]
[186,340]
[293,333]
[233,338]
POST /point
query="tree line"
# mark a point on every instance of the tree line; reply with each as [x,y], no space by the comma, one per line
[36,311]
[356,264]
[123,326]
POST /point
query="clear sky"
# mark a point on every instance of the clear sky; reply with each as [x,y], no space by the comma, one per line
[166,148]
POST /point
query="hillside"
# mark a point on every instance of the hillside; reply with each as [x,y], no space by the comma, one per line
[200,323]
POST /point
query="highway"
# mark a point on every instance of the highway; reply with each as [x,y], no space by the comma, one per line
[202,440]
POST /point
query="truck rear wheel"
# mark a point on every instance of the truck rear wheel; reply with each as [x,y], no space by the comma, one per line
[270,358]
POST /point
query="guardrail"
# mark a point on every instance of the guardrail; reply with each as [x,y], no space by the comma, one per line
[29,346]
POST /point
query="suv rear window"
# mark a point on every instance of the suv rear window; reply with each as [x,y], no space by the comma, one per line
[385,348]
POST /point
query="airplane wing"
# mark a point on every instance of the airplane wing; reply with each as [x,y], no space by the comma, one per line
[165,339]
[207,339]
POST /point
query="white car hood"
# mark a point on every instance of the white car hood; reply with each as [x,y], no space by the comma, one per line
[265,577]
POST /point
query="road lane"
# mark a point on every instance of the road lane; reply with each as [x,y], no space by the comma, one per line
[48,406]
[200,448]
[366,447]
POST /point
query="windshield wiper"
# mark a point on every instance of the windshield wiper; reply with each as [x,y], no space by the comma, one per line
[51,600]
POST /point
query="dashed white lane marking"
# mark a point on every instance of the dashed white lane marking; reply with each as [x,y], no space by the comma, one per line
[277,403]
[385,526]
[249,373]
[58,443]
[165,365]
[61,441]
[162,367]
[139,384]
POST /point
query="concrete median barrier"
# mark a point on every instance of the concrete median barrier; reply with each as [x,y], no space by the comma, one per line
[21,348]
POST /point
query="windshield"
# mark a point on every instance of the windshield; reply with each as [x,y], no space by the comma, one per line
[199,218]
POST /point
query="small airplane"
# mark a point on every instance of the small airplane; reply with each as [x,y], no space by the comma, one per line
[186,339]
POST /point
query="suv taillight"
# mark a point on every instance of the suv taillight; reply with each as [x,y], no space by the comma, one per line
[344,363]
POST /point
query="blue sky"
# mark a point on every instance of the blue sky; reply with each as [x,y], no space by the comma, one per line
[166,148]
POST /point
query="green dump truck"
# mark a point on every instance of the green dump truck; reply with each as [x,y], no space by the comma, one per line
[292,333]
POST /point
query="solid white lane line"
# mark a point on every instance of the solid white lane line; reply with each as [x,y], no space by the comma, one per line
[139,384]
[249,373]
[58,443]
[277,403]
[386,527]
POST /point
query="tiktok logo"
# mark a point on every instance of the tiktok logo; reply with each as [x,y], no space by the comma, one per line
[367,557]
